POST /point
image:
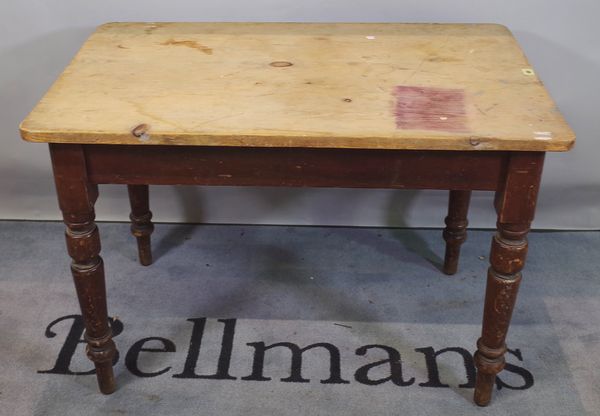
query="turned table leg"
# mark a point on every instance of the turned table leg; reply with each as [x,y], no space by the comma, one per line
[455,232]
[515,204]
[141,224]
[76,198]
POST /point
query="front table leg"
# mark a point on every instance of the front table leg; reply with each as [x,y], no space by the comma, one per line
[76,199]
[515,204]
[509,248]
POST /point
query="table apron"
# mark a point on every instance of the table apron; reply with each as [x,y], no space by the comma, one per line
[293,167]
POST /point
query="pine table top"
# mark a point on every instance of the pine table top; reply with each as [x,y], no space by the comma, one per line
[342,85]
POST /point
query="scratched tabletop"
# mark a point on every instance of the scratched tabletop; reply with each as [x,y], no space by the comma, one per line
[369,86]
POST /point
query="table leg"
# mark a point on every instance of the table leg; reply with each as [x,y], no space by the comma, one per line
[141,224]
[76,198]
[515,204]
[455,232]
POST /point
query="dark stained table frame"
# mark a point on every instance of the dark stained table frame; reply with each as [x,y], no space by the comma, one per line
[513,176]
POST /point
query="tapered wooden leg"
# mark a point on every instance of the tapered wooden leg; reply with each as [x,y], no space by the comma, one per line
[515,204]
[509,248]
[76,199]
[83,243]
[141,224]
[455,232]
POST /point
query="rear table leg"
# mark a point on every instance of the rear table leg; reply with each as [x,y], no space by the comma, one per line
[455,232]
[141,224]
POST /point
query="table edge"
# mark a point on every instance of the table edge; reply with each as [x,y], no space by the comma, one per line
[433,142]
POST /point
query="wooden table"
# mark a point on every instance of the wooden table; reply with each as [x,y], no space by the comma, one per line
[421,106]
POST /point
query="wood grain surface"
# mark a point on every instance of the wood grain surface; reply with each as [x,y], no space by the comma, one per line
[369,86]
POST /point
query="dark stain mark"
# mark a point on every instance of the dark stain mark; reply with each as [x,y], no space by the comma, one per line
[482,112]
[491,107]
[281,64]
[342,325]
[188,44]
[436,58]
[426,108]
[348,100]
[140,130]
[122,47]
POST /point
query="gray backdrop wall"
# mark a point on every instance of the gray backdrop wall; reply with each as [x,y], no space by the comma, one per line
[561,39]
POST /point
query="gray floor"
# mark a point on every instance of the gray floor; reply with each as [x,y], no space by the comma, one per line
[348,287]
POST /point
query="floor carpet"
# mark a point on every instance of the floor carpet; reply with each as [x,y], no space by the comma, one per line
[261,320]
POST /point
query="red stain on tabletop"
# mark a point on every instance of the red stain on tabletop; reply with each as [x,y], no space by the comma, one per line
[426,108]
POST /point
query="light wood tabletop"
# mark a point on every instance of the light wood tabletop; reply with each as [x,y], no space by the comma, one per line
[369,86]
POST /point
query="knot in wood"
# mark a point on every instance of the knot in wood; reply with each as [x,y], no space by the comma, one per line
[280,64]
[140,130]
